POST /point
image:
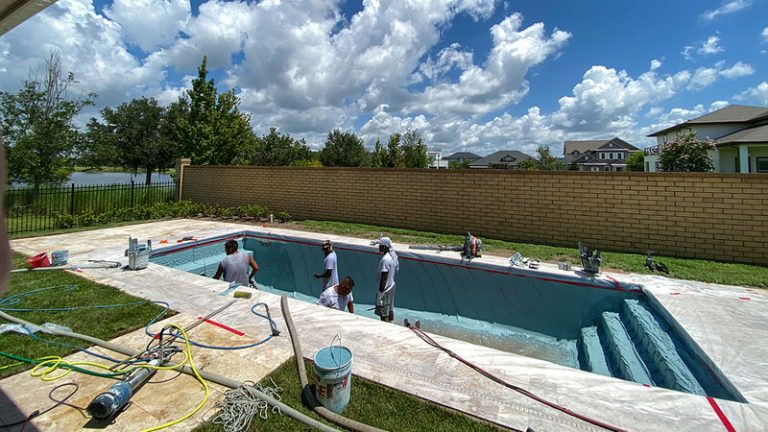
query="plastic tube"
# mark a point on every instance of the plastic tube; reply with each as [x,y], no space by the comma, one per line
[306,390]
[209,376]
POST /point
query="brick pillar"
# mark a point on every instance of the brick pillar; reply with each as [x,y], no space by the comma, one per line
[181,163]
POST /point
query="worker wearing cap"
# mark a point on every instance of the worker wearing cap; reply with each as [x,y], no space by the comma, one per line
[330,274]
[388,266]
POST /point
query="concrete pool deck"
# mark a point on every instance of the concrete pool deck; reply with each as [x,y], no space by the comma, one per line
[728,323]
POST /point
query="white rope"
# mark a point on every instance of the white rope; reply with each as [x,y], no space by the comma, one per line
[241,404]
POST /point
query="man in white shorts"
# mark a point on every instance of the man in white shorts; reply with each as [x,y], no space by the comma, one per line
[388,266]
[330,274]
[339,296]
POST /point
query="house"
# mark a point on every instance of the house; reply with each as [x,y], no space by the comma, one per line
[740,134]
[436,159]
[505,159]
[598,155]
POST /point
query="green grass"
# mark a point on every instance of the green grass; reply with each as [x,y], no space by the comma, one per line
[370,403]
[100,323]
[680,268]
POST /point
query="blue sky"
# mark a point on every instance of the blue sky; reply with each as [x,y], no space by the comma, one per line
[469,75]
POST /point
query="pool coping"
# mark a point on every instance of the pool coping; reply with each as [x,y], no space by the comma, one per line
[628,404]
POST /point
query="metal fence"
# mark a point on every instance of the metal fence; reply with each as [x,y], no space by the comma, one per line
[29,210]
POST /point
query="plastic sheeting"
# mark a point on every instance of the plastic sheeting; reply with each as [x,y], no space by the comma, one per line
[727,328]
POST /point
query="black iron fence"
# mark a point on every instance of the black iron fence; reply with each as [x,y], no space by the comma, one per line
[29,210]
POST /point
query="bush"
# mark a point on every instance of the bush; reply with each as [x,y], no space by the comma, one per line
[163,210]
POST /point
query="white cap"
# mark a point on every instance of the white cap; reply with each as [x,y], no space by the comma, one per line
[384,241]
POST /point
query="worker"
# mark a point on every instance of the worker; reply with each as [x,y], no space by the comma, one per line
[330,274]
[339,296]
[388,267]
[236,264]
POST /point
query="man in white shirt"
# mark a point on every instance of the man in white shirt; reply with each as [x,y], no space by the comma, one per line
[330,274]
[236,265]
[339,296]
[388,267]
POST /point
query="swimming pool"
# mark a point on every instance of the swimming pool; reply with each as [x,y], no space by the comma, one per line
[594,324]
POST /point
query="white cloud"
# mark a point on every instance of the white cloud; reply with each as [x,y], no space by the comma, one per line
[710,46]
[727,8]
[757,94]
[764,34]
[702,48]
[739,69]
[149,24]
[501,81]
[103,64]
[655,64]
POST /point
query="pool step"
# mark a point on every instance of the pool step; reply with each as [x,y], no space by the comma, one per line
[620,350]
[657,347]
[592,351]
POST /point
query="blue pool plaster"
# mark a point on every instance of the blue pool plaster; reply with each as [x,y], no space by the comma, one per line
[560,319]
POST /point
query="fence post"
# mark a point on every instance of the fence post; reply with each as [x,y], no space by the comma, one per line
[132,188]
[72,200]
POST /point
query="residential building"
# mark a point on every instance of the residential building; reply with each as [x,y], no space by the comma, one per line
[740,134]
[598,155]
[436,159]
[505,159]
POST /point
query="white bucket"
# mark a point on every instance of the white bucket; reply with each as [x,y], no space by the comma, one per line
[333,377]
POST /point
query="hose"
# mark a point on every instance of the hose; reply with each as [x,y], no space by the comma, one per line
[428,339]
[307,390]
[209,376]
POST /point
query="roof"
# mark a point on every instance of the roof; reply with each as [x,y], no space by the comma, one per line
[729,114]
[496,159]
[582,146]
[585,146]
[751,135]
[462,155]
[15,12]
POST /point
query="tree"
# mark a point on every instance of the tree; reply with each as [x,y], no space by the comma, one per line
[139,135]
[344,149]
[414,150]
[686,154]
[378,155]
[394,152]
[37,125]
[98,148]
[214,130]
[635,161]
[547,162]
[275,149]
[454,164]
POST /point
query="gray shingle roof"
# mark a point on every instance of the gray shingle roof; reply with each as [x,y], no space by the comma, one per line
[462,155]
[496,158]
[729,114]
[751,135]
[582,146]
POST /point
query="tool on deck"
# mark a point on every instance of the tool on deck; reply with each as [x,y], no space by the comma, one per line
[117,396]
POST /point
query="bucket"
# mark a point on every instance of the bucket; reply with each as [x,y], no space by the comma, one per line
[333,377]
[59,257]
[39,260]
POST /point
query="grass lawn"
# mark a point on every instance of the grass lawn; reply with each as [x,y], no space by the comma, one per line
[370,403]
[680,268]
[100,323]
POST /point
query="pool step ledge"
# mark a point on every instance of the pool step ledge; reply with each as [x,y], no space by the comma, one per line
[621,350]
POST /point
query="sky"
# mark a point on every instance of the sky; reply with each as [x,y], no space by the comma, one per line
[468,75]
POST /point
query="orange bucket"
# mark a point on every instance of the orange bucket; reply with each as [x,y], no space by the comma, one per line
[39,260]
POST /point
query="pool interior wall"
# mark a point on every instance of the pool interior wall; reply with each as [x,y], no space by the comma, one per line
[593,325]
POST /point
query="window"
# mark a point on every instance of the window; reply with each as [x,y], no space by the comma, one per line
[761,164]
[507,159]
[620,155]
[647,167]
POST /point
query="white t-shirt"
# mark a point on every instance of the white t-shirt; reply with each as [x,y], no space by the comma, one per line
[389,265]
[330,298]
[329,263]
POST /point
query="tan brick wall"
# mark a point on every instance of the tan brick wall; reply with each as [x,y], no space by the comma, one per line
[711,216]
